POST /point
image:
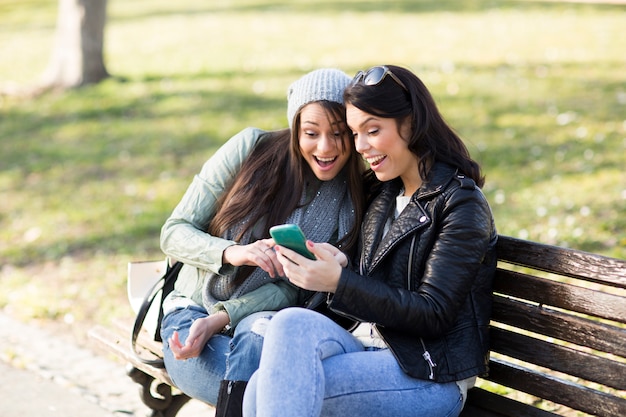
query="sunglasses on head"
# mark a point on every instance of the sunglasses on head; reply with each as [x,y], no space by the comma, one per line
[375,76]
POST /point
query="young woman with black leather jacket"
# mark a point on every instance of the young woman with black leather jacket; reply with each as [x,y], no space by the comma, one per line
[420,289]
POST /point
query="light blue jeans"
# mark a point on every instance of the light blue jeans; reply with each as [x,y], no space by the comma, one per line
[310,366]
[223,357]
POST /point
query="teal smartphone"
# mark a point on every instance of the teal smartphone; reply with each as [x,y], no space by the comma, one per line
[292,237]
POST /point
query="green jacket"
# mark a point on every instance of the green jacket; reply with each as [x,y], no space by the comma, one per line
[184,237]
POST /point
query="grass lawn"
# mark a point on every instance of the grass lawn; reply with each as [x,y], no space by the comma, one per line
[87,177]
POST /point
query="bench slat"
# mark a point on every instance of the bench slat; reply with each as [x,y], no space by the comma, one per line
[560,325]
[557,390]
[482,403]
[119,344]
[144,340]
[562,295]
[563,261]
[559,358]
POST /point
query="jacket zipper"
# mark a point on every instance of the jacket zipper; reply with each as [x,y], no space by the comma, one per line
[408,276]
[429,360]
[426,354]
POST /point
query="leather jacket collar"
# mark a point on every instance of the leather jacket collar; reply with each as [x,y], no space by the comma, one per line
[413,217]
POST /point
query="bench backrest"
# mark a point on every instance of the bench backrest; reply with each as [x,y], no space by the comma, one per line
[558,328]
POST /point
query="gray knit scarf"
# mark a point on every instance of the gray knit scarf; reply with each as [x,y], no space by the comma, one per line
[331,210]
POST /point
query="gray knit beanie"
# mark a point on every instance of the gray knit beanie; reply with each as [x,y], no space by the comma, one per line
[322,84]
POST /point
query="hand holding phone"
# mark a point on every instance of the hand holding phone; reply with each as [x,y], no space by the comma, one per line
[292,237]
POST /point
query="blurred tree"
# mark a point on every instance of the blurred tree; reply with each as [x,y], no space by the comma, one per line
[77,57]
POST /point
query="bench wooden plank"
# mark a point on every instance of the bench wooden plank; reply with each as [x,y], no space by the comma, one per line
[563,261]
[156,389]
[144,341]
[494,405]
[119,344]
[563,359]
[557,324]
[562,295]
[551,388]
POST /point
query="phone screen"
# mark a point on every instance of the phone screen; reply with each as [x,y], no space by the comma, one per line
[292,237]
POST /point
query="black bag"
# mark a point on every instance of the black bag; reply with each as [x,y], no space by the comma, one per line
[161,288]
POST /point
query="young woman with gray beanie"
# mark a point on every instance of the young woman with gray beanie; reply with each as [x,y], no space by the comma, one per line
[231,281]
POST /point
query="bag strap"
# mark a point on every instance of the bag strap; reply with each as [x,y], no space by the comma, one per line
[165,283]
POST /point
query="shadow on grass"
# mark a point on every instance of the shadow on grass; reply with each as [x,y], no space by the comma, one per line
[71,157]
[89,126]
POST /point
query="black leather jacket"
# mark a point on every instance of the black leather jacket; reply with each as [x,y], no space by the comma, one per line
[427,283]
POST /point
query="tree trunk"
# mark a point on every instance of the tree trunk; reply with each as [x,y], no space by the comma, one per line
[77,58]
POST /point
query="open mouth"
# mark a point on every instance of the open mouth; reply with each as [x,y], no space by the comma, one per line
[375,160]
[325,162]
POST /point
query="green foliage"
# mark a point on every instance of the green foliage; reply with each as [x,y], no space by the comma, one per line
[87,177]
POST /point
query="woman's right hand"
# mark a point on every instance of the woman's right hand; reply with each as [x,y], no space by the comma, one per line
[259,253]
[321,274]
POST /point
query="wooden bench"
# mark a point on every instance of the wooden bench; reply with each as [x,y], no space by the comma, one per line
[558,339]
[558,333]
[156,389]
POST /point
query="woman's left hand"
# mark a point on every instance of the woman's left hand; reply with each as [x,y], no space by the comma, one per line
[200,332]
[321,274]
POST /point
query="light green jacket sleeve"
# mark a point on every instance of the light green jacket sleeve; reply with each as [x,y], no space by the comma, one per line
[183,236]
[272,296]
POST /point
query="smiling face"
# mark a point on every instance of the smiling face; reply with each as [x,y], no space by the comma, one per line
[378,140]
[324,145]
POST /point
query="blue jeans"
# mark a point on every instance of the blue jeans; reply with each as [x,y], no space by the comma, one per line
[223,357]
[310,366]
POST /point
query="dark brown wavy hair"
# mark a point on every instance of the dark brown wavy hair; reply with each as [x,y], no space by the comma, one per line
[269,185]
[431,138]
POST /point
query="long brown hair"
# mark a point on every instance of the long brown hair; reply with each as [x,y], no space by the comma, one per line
[269,185]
